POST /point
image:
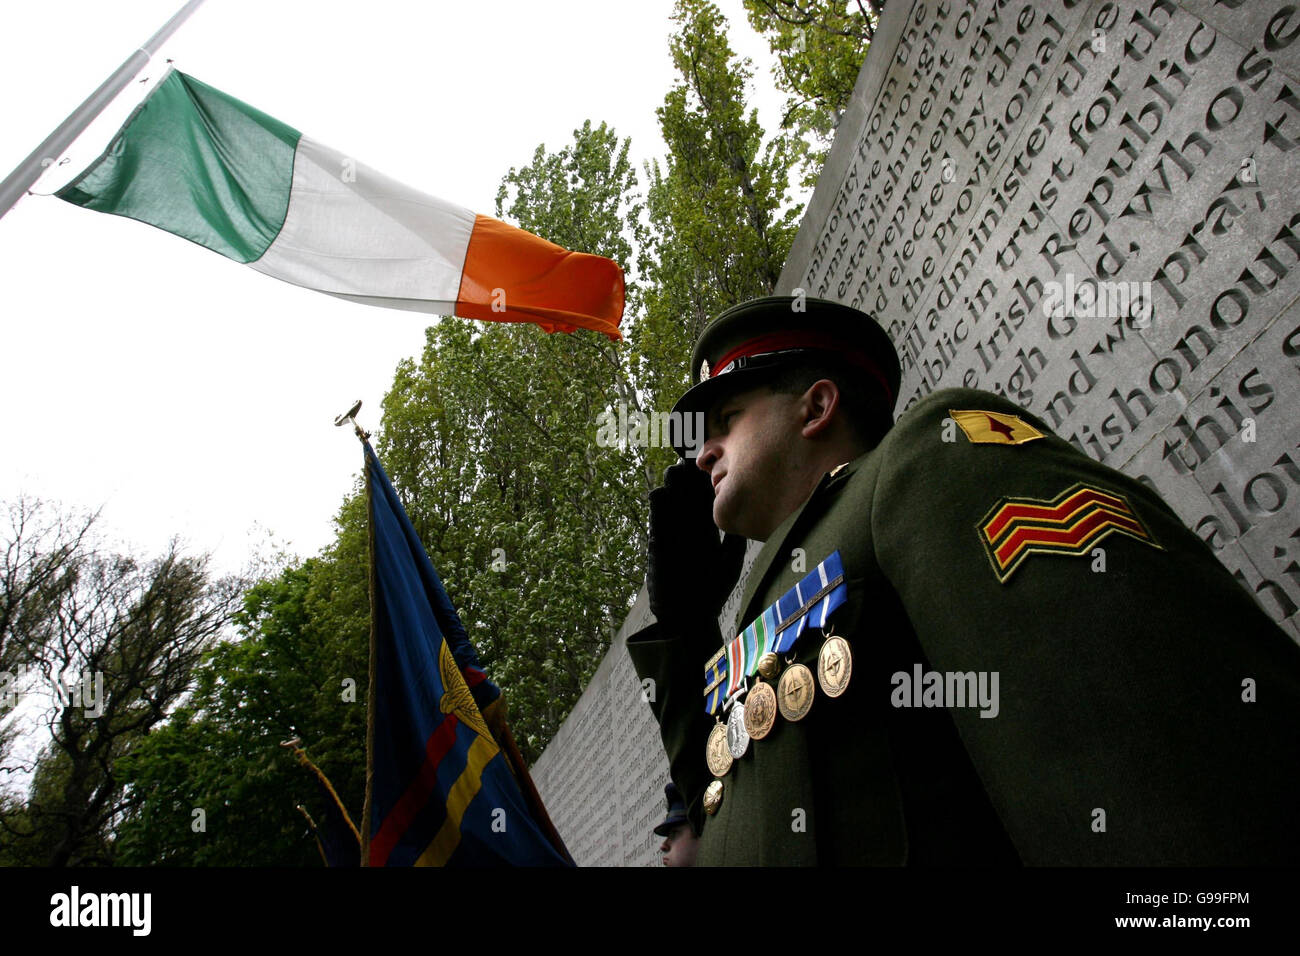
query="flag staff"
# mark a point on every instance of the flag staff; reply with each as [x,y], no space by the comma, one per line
[351,416]
[17,183]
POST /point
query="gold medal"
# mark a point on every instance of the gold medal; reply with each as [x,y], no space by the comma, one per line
[769,665]
[760,711]
[737,735]
[834,666]
[716,753]
[794,694]
[713,797]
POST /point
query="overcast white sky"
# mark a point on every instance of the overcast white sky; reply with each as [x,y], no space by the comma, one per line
[188,394]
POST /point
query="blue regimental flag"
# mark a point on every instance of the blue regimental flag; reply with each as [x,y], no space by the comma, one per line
[440,791]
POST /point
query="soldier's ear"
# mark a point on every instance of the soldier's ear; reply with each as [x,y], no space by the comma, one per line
[818,407]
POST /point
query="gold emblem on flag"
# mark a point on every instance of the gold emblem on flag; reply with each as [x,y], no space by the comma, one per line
[456,696]
[993,428]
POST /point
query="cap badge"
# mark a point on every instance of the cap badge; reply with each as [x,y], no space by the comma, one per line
[704,370]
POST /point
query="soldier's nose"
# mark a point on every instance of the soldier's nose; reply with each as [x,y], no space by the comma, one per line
[708,457]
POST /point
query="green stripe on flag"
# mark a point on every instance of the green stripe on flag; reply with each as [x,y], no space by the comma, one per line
[198,163]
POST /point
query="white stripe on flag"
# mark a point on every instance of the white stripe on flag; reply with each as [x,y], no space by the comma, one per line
[353,232]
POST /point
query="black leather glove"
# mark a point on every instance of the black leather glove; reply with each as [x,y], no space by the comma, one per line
[690,571]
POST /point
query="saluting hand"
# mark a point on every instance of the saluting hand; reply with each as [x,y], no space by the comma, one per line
[690,571]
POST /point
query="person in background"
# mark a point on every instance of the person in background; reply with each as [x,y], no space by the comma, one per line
[680,841]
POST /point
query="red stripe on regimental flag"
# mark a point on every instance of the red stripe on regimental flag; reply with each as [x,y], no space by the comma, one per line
[416,797]
[514,276]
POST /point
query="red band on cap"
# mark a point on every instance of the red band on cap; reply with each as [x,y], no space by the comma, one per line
[825,341]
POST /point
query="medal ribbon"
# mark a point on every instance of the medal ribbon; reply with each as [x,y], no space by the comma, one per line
[715,675]
[809,603]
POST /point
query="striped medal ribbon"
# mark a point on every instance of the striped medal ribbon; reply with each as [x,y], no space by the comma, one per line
[809,603]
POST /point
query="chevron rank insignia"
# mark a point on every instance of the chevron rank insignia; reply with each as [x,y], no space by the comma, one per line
[994,428]
[1070,524]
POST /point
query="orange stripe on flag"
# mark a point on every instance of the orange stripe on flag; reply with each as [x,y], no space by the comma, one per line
[514,276]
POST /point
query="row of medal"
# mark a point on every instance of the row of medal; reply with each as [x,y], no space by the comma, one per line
[755,715]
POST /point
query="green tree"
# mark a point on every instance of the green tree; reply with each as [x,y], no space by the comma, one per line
[113,649]
[303,637]
[720,206]
[42,549]
[819,47]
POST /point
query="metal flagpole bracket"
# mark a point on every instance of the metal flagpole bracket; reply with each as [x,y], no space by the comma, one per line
[17,183]
[351,416]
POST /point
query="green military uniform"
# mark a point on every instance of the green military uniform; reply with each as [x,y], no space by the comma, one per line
[1126,732]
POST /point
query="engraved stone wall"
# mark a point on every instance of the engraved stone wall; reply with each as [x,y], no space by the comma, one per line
[602,777]
[1092,208]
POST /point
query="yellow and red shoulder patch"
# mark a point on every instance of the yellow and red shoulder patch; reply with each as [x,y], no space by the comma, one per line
[1069,524]
[993,428]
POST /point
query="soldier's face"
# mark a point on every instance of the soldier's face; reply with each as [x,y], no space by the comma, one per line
[751,438]
[679,846]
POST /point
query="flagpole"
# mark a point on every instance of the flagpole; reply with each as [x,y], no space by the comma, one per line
[17,183]
[349,417]
[301,754]
[373,664]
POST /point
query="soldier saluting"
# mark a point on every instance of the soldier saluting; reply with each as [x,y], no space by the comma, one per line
[933,667]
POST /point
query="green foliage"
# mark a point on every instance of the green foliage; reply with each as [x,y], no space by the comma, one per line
[721,209]
[819,46]
[536,531]
[302,634]
[107,645]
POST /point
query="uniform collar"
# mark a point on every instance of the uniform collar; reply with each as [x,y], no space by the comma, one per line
[775,545]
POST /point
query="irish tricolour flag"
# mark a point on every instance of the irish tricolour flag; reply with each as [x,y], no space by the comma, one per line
[203,165]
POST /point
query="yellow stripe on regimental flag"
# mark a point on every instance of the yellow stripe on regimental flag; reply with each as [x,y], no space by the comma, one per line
[466,787]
